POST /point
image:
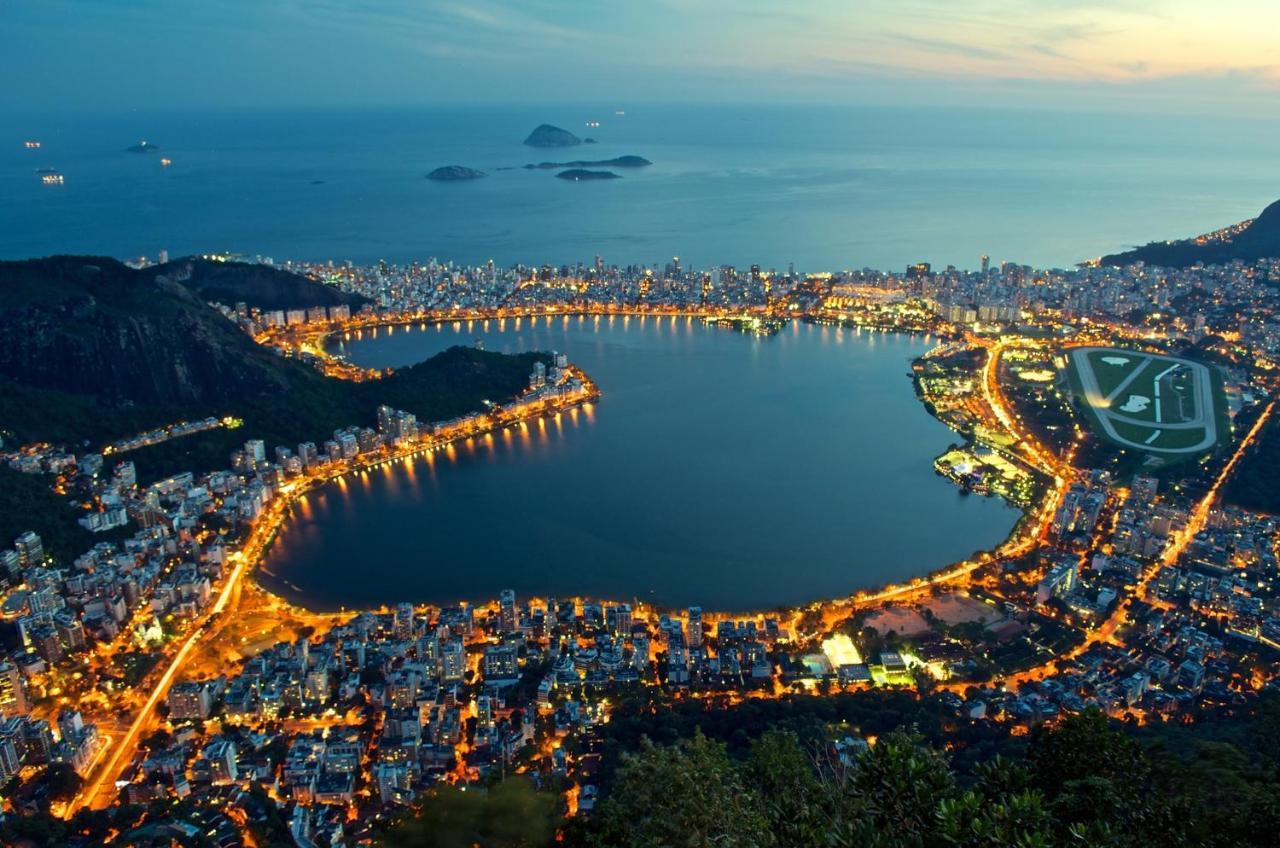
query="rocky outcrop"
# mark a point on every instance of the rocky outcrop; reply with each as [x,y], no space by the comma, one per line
[546,135]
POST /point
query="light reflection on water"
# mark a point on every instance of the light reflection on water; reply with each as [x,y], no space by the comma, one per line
[718,468]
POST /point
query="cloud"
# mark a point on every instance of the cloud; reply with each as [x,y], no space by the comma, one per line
[935,45]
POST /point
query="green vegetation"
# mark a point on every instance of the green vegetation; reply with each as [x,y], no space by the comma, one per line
[1110,376]
[451,383]
[1255,485]
[1139,441]
[262,286]
[91,351]
[1085,783]
[1260,239]
[511,814]
[27,503]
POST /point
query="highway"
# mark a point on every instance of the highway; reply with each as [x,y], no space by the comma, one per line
[99,790]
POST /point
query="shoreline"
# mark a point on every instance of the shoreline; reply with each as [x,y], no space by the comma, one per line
[1012,544]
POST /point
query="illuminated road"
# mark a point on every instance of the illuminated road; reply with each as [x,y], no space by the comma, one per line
[1178,541]
[98,791]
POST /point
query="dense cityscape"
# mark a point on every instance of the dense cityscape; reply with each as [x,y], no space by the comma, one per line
[152,678]
[690,424]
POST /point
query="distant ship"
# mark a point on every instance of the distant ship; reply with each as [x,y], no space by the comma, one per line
[52,179]
[593,124]
[620,113]
[164,163]
[32,145]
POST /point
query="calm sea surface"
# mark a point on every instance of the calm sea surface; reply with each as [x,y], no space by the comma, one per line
[718,468]
[825,188]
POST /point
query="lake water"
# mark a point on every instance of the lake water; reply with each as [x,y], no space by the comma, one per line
[718,469]
[825,188]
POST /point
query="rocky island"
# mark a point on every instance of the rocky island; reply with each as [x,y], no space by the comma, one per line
[545,135]
[581,174]
[619,162]
[455,173]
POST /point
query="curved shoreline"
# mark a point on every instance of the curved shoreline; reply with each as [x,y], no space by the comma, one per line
[1017,542]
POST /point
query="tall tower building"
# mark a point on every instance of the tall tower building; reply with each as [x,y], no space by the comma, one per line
[402,625]
[695,627]
[13,698]
[30,549]
[508,619]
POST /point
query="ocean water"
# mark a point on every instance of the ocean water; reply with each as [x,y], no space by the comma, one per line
[718,469]
[823,187]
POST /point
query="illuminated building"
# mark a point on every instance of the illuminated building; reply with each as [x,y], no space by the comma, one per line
[30,549]
[695,627]
[508,616]
[13,698]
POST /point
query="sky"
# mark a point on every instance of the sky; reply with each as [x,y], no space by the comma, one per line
[1169,56]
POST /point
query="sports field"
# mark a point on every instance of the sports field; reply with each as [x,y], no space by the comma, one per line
[1148,402]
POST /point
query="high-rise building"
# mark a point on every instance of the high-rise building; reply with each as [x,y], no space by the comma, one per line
[30,549]
[453,660]
[255,450]
[695,627]
[508,617]
[500,664]
[189,701]
[619,619]
[986,264]
[10,563]
[13,698]
[402,623]
[307,453]
[221,756]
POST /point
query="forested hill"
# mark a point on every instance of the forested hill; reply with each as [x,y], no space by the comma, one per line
[254,285]
[1248,242]
[92,350]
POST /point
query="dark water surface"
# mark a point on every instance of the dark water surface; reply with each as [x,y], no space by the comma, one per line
[824,187]
[718,469]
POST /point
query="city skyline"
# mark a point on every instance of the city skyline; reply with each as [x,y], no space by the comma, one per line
[530,424]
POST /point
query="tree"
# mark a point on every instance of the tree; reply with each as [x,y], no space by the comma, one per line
[510,814]
[1085,746]
[61,781]
[782,776]
[891,795]
[687,794]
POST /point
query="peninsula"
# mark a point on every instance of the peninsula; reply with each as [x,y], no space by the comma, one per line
[1248,241]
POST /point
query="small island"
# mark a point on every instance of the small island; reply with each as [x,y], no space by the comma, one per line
[581,174]
[619,162]
[545,135]
[455,173]
[142,147]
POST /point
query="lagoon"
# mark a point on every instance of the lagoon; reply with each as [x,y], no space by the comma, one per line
[719,468]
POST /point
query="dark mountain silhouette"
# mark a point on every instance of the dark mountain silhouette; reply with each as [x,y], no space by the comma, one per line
[1247,241]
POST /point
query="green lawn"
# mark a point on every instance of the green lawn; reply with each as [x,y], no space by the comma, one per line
[1178,403]
[1110,376]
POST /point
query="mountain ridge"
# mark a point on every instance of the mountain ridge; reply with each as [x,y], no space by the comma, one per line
[1247,241]
[92,350]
